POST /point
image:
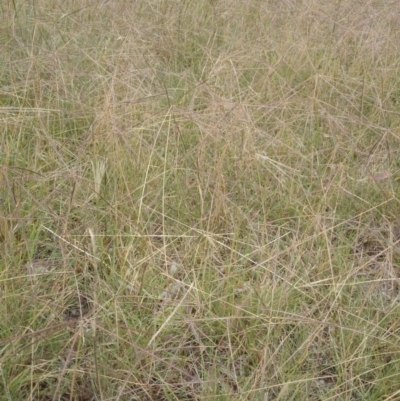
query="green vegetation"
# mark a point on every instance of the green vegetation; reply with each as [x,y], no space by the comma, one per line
[199,200]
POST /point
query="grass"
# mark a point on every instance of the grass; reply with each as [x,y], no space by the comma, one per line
[199,200]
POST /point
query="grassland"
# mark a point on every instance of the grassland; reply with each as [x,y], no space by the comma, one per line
[199,200]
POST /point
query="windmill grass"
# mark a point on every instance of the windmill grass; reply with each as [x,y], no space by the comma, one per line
[199,200]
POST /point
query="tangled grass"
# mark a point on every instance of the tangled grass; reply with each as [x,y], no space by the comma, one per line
[199,200]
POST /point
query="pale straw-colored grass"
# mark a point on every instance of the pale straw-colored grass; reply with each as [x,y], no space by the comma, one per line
[199,200]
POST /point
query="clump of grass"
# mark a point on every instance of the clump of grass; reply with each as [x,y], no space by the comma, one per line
[199,201]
